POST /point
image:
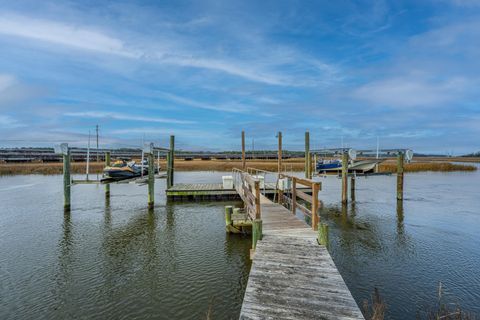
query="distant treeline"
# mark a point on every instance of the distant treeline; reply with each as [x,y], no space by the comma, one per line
[475,154]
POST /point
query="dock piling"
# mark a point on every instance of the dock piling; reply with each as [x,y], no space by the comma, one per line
[244,162]
[323,234]
[352,187]
[151,180]
[308,166]
[279,152]
[400,172]
[228,215]
[256,232]
[107,163]
[171,162]
[66,180]
[344,177]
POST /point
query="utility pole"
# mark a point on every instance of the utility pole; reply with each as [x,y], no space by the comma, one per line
[96,128]
[253,148]
[88,155]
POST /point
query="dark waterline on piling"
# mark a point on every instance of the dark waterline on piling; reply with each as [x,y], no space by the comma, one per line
[122,260]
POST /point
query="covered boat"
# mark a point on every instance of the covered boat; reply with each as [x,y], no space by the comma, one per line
[362,166]
[328,165]
[121,169]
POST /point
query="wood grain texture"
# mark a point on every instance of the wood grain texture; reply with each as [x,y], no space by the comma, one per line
[292,277]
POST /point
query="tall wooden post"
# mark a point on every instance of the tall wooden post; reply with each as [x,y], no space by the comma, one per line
[345,177]
[169,154]
[66,180]
[294,195]
[279,152]
[244,161]
[400,160]
[151,180]
[171,162]
[107,163]
[307,155]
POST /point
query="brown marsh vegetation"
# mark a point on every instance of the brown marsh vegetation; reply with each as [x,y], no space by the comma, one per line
[223,165]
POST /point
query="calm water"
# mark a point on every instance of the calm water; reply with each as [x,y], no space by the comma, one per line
[405,251]
[119,260]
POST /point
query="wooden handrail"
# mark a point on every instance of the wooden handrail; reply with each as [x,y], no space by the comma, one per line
[312,200]
[249,190]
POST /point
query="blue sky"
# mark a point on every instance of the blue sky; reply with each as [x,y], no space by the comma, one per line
[406,71]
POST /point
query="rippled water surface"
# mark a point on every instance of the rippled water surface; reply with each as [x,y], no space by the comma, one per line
[115,260]
[118,260]
[406,249]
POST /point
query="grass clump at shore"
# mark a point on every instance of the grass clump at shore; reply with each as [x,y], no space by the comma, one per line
[440,310]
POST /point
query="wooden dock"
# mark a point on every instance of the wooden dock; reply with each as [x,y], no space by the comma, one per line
[211,191]
[292,276]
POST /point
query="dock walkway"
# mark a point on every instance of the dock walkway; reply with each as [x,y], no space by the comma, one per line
[292,277]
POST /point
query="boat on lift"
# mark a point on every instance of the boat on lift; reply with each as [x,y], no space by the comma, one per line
[335,165]
[324,165]
[121,170]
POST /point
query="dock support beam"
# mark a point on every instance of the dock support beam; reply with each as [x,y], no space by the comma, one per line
[279,152]
[171,162]
[66,181]
[151,180]
[107,163]
[345,177]
[244,162]
[308,165]
[400,161]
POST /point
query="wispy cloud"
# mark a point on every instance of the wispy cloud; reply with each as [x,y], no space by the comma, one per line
[6,81]
[409,92]
[59,33]
[8,122]
[88,38]
[124,116]
[229,107]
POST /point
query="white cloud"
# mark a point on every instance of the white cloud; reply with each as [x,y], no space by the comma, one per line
[7,122]
[409,92]
[235,108]
[169,50]
[124,116]
[6,81]
[63,34]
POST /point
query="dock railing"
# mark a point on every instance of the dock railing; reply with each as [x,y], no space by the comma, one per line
[310,200]
[249,190]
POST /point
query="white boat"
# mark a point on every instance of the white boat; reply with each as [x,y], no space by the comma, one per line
[364,165]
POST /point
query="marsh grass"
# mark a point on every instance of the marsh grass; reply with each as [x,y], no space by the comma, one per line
[374,309]
[391,166]
[222,165]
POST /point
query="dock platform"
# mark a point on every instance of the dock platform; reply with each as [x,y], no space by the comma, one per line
[292,276]
[212,191]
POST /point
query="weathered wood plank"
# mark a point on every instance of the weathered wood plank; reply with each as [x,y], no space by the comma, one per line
[292,277]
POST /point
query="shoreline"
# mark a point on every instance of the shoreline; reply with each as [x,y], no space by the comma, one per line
[297,165]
